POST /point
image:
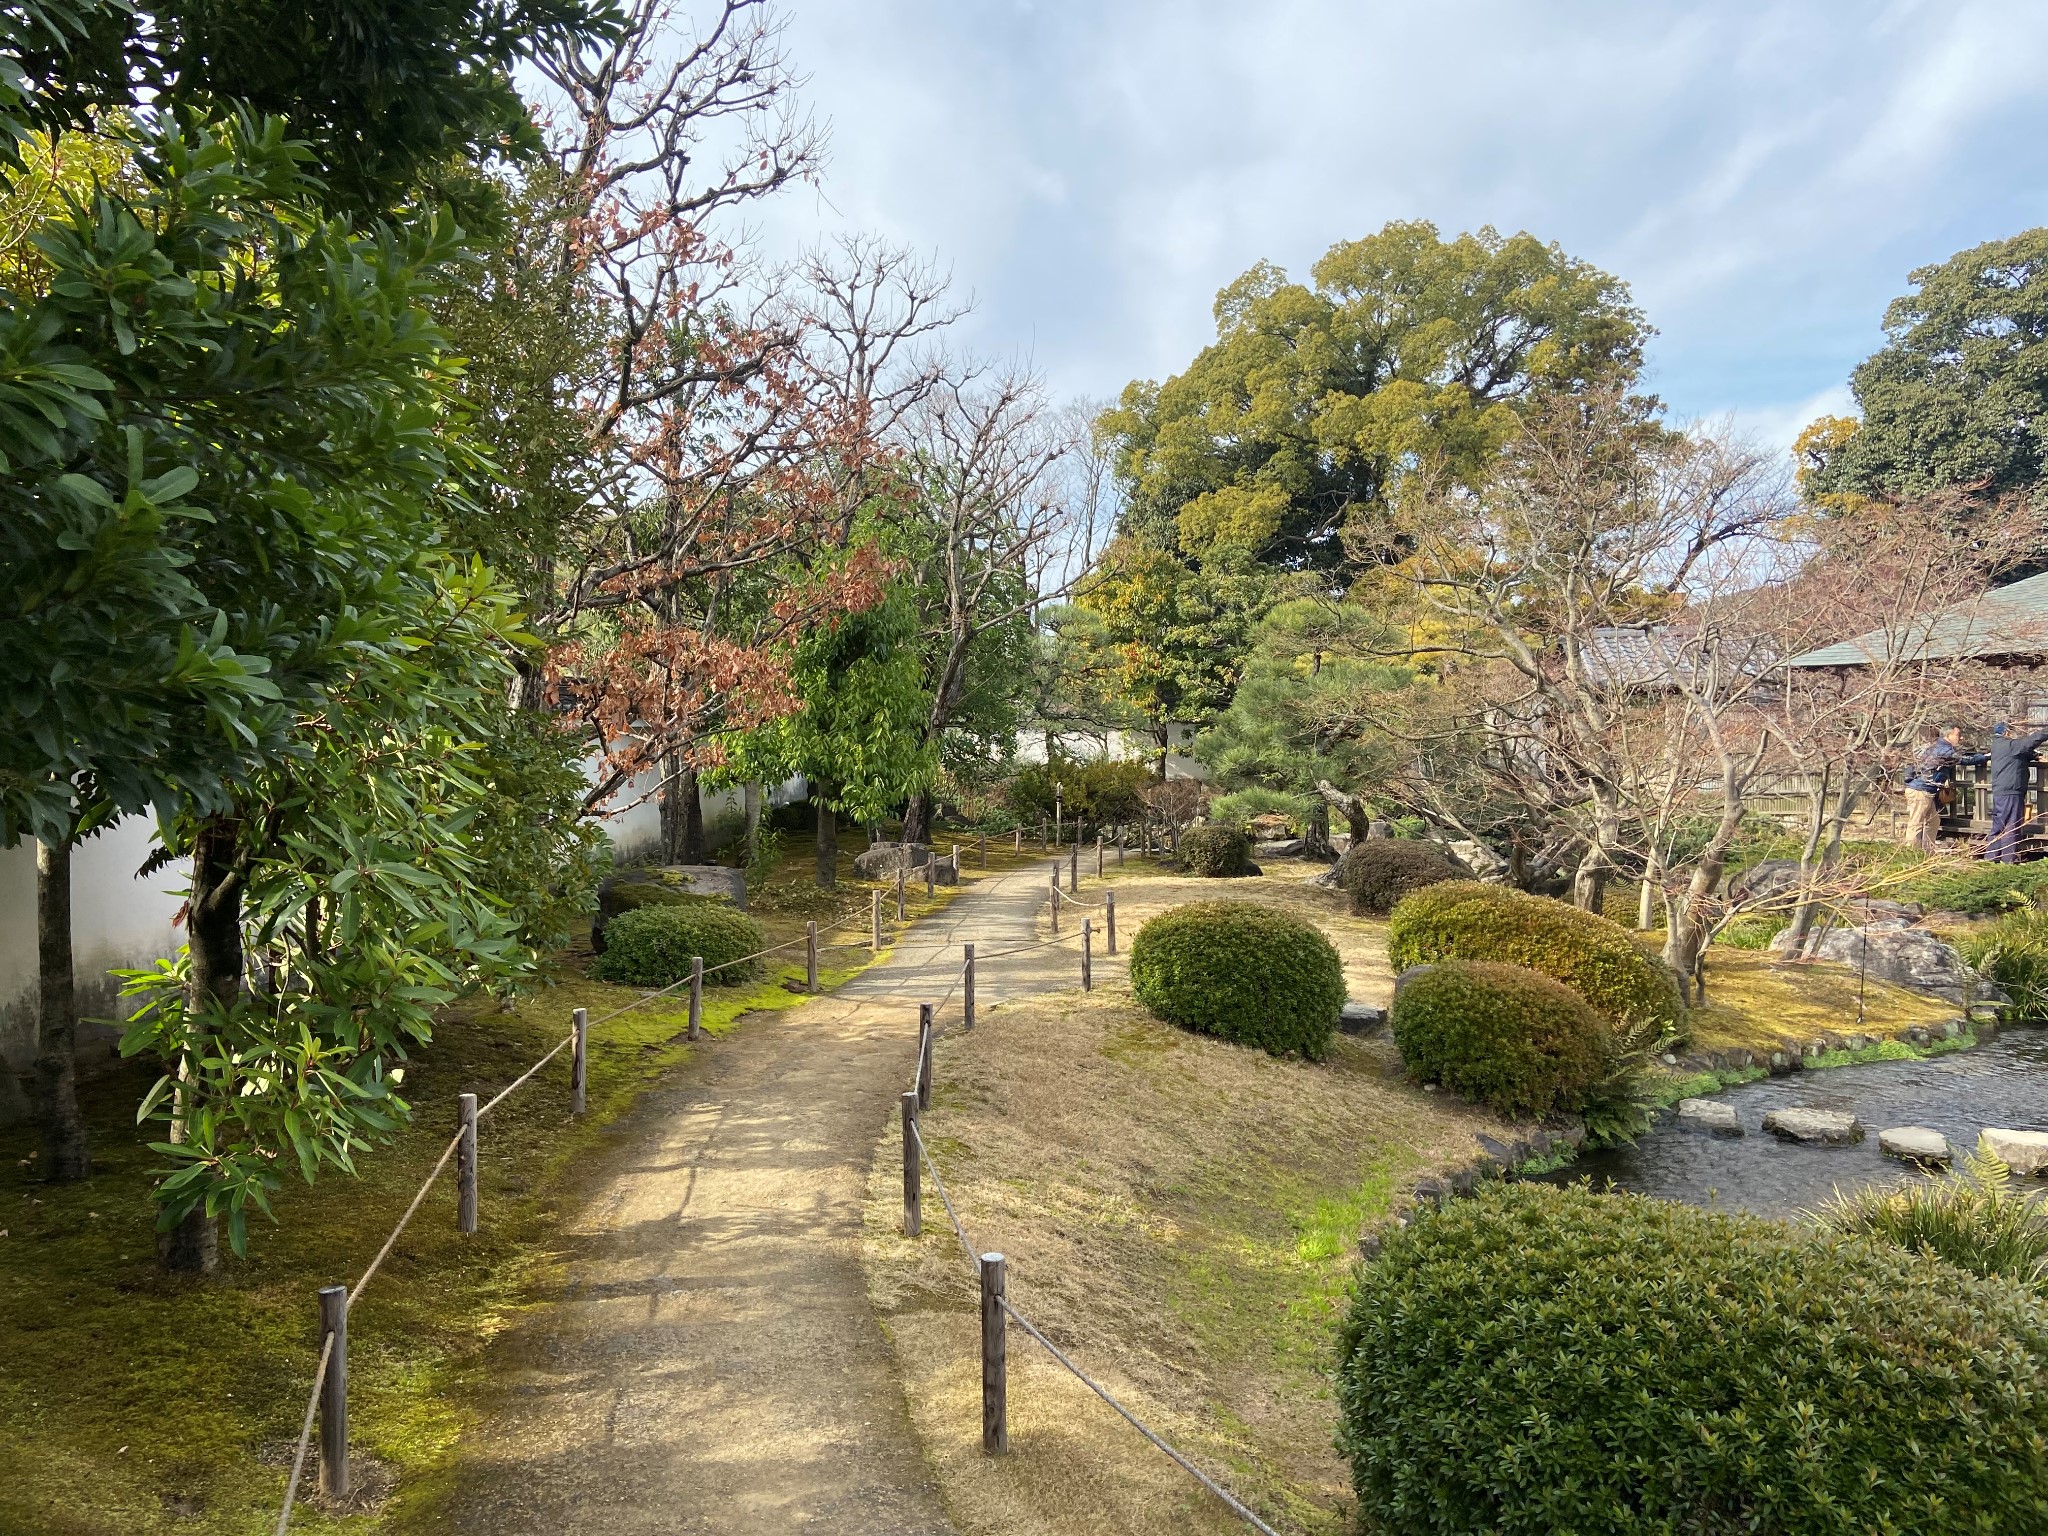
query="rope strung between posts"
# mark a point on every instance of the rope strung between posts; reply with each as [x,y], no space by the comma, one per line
[967,1247]
[291,1488]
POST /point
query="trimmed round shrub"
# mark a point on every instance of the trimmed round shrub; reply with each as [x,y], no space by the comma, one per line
[651,946]
[1219,850]
[1534,1360]
[1503,1036]
[1464,920]
[1378,873]
[1241,972]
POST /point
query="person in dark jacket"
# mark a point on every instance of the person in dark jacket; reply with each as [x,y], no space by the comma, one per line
[1933,770]
[2011,756]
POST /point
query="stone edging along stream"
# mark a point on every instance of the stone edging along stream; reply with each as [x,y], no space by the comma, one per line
[1711,1072]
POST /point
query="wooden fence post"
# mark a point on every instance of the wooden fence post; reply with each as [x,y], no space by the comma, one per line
[984,850]
[1087,954]
[902,863]
[875,920]
[913,1218]
[1098,855]
[579,1064]
[956,863]
[1109,918]
[811,956]
[924,1055]
[465,1163]
[1018,845]
[967,993]
[1121,840]
[1074,864]
[1044,841]
[995,1358]
[1055,899]
[930,860]
[696,997]
[334,1393]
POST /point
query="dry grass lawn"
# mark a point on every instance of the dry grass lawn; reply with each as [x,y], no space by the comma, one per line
[1179,1215]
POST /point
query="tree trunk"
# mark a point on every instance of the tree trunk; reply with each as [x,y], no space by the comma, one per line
[752,801]
[1162,736]
[682,815]
[213,926]
[1357,814]
[66,1156]
[1687,932]
[1653,877]
[828,843]
[1589,881]
[1316,845]
[917,818]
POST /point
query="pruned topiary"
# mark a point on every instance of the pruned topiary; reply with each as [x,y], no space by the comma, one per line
[1241,972]
[651,946]
[1535,1360]
[1377,873]
[1464,920]
[1504,1036]
[1218,849]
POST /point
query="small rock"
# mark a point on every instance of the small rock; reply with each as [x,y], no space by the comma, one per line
[1430,1191]
[1816,1127]
[1916,1144]
[1539,1143]
[1916,1036]
[1572,1136]
[1281,848]
[2024,1152]
[1668,1059]
[1360,1018]
[1370,1245]
[1781,1062]
[1953,1029]
[1709,1115]
[1463,1181]
[1495,1151]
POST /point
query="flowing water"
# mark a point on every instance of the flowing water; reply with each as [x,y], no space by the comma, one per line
[2002,1083]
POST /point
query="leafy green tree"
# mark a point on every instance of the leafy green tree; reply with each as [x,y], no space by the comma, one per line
[1407,349]
[1957,398]
[1175,634]
[858,735]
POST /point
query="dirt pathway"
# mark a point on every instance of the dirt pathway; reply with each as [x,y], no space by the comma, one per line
[713,1364]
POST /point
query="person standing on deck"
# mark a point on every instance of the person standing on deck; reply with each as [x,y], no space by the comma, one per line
[1932,772]
[2011,756]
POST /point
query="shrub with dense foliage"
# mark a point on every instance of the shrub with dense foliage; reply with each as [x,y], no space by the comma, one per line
[1536,1360]
[1503,1036]
[1218,849]
[2014,954]
[1596,958]
[1242,972]
[1378,873]
[1974,1219]
[1244,805]
[651,946]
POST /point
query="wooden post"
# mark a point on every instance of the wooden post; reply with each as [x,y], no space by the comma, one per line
[995,1359]
[1055,898]
[1018,845]
[1087,954]
[1074,864]
[913,1218]
[967,992]
[956,863]
[811,956]
[1121,840]
[875,921]
[1098,855]
[901,864]
[696,997]
[930,859]
[924,1055]
[579,1064]
[1109,918]
[334,1393]
[984,850]
[465,1163]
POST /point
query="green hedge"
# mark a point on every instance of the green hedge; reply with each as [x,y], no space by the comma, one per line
[1464,920]
[1219,850]
[1378,873]
[651,946]
[1503,1036]
[1536,1360]
[1242,972]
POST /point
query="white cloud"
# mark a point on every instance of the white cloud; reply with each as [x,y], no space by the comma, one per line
[1764,174]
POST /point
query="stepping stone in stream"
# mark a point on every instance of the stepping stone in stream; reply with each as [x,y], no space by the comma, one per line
[1815,1127]
[1709,1115]
[2024,1152]
[1916,1144]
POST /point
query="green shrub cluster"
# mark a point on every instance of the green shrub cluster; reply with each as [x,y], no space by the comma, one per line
[1100,793]
[1979,889]
[1536,1360]
[1378,873]
[651,945]
[2014,954]
[1464,920]
[1241,972]
[1241,805]
[1503,1036]
[1754,931]
[1974,1219]
[1219,850]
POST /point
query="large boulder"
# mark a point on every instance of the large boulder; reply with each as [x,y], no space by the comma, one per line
[880,861]
[660,884]
[1891,950]
[1765,881]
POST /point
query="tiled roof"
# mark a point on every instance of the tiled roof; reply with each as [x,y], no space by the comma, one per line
[2007,621]
[1630,658]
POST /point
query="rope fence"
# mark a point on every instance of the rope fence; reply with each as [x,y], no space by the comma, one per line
[327,1403]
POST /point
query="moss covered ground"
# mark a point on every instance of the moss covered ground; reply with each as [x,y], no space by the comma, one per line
[132,1403]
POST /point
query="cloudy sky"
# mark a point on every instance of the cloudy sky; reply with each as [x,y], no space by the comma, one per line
[1764,176]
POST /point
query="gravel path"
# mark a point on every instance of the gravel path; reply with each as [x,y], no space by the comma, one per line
[713,1364]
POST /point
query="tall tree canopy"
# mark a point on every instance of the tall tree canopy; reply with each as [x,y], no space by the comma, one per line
[1312,400]
[1958,395]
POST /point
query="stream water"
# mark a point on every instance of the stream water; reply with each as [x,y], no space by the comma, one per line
[2001,1083]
